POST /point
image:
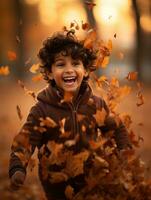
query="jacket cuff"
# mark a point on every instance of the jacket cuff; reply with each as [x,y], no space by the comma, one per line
[15,169]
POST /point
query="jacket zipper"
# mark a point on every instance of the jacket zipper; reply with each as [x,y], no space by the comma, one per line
[74,116]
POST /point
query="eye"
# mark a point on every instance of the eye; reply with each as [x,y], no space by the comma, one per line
[60,64]
[76,63]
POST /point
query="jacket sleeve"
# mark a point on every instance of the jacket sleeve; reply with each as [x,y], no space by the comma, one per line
[115,124]
[25,142]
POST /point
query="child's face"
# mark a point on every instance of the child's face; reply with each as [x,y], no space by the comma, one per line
[68,73]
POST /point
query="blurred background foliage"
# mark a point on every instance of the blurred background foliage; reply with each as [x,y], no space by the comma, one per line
[26,23]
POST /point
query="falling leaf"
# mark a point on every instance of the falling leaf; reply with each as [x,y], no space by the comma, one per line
[18,39]
[29,92]
[37,78]
[19,112]
[11,55]
[132,76]
[85,26]
[34,68]
[90,38]
[109,45]
[105,62]
[140,99]
[4,70]
[115,35]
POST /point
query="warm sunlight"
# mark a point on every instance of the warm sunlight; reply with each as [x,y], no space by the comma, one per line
[48,14]
[107,11]
[146,23]
[32,2]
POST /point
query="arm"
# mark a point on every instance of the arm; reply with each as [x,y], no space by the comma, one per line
[25,143]
[114,123]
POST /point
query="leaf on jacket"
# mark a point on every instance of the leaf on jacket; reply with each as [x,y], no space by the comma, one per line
[75,163]
[48,122]
[57,177]
[100,116]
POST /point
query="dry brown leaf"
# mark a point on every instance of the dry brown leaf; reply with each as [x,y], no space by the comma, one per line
[141,99]
[19,113]
[100,116]
[48,122]
[132,76]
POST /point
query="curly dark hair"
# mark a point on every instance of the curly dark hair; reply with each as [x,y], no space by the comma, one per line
[68,45]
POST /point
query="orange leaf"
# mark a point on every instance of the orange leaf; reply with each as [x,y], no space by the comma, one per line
[91,37]
[4,70]
[34,68]
[105,62]
[11,55]
[132,76]
[100,116]
[85,26]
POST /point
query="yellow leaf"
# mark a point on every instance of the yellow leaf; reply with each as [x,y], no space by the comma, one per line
[105,62]
[100,116]
[109,45]
[4,70]
[34,68]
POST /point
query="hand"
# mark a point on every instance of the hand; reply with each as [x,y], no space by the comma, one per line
[17,180]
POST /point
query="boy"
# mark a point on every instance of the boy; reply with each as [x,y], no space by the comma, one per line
[63,122]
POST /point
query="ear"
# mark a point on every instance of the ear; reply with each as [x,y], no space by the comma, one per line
[86,73]
[50,76]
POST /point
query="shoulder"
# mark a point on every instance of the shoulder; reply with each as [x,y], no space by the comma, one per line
[100,103]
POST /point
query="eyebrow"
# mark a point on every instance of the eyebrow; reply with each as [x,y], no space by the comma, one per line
[59,59]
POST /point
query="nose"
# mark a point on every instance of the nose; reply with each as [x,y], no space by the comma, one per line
[69,68]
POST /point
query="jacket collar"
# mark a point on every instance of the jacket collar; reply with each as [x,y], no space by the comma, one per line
[53,95]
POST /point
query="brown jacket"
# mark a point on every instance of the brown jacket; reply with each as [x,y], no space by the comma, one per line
[66,122]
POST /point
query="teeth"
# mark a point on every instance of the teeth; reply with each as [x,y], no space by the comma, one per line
[69,78]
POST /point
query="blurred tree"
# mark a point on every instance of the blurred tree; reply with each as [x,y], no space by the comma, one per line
[143,39]
[139,44]
[89,12]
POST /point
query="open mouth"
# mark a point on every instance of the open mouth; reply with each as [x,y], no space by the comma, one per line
[69,80]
